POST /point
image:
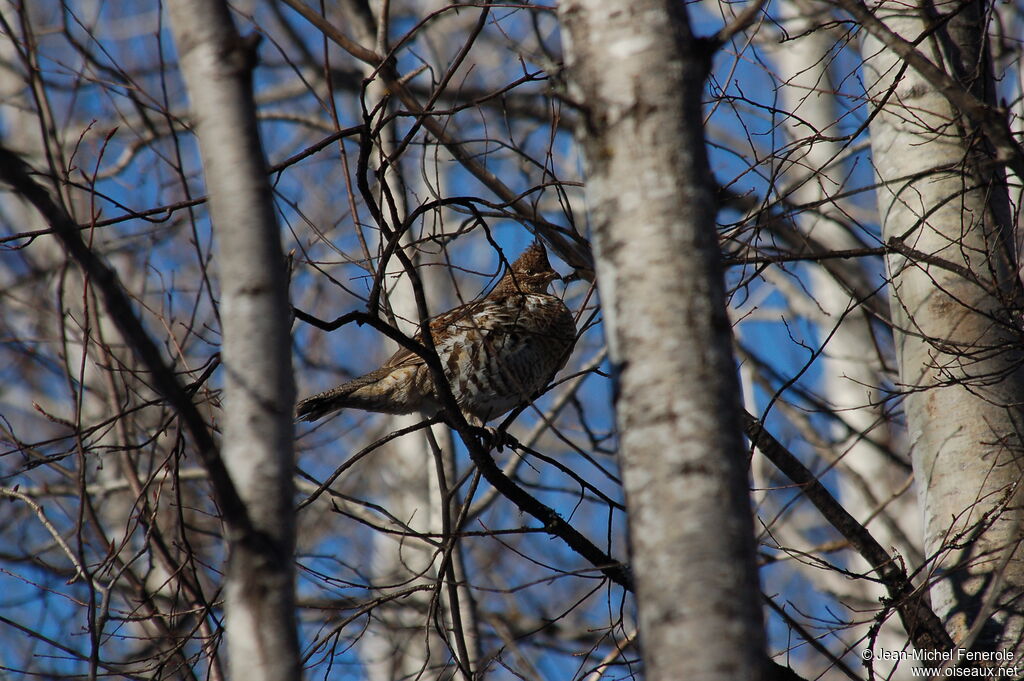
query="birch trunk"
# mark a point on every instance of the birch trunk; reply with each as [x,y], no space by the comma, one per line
[652,211]
[404,641]
[259,390]
[851,368]
[957,348]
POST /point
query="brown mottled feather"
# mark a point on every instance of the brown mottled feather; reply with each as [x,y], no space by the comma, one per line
[497,353]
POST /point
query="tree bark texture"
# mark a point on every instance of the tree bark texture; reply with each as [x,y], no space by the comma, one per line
[638,77]
[953,283]
[259,387]
[851,368]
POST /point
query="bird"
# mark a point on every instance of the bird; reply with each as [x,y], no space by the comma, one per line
[497,353]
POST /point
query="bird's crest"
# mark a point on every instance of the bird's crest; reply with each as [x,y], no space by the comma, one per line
[530,273]
[533,260]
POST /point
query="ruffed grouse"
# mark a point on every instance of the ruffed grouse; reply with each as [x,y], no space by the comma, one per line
[497,353]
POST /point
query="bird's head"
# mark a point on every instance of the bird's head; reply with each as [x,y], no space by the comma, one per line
[530,273]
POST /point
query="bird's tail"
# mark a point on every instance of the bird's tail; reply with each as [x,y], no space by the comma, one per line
[385,390]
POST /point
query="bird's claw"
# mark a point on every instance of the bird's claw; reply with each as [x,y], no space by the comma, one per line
[493,438]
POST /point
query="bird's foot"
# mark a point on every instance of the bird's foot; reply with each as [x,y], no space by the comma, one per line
[494,438]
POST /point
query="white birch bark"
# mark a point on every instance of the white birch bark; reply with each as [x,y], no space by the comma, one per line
[638,78]
[850,365]
[403,642]
[259,391]
[956,349]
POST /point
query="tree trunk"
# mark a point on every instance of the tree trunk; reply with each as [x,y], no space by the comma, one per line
[652,210]
[945,211]
[851,369]
[405,641]
[259,390]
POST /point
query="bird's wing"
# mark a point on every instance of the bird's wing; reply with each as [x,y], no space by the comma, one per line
[438,326]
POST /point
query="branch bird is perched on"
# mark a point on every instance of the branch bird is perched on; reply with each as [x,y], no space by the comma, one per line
[497,352]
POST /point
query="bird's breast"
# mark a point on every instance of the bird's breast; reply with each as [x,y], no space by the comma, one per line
[499,357]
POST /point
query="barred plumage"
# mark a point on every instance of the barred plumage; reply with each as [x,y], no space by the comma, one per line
[497,352]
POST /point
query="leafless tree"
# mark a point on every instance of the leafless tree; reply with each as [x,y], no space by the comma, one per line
[257,450]
[651,203]
[181,183]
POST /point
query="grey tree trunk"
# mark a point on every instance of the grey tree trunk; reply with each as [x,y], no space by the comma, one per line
[259,389]
[945,210]
[851,370]
[403,641]
[652,211]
